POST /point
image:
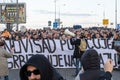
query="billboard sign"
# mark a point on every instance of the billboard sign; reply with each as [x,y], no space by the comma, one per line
[8,13]
[55,25]
[105,21]
[118,26]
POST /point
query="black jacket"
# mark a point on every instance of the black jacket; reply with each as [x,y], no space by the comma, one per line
[76,42]
[106,76]
[47,72]
[91,64]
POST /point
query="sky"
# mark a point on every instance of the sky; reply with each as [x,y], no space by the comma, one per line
[83,12]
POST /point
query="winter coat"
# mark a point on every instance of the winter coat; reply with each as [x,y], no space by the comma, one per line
[106,76]
[76,43]
[91,64]
[47,72]
[3,61]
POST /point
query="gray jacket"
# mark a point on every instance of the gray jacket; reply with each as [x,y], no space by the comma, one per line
[3,61]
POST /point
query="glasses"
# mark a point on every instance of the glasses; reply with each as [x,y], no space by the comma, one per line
[35,72]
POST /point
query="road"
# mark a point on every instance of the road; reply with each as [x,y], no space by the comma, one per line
[66,73]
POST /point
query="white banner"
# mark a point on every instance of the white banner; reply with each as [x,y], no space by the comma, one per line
[59,52]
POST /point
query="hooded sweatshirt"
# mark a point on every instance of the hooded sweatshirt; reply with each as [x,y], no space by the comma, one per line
[91,65]
[46,70]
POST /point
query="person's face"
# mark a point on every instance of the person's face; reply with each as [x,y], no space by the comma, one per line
[33,73]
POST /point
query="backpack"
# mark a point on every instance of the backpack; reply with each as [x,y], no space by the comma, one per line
[82,45]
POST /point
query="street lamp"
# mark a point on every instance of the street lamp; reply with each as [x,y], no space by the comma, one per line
[55,10]
[17,14]
[103,10]
[115,13]
[60,13]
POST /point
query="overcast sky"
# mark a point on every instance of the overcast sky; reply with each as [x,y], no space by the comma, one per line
[71,12]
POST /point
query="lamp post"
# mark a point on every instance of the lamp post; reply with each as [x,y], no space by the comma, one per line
[17,17]
[115,13]
[103,13]
[55,10]
[60,13]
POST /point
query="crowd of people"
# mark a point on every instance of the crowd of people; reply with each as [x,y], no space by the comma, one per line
[32,69]
[48,33]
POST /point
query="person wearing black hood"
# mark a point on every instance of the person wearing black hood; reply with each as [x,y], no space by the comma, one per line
[38,67]
[91,65]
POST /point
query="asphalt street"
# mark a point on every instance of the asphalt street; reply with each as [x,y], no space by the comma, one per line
[66,73]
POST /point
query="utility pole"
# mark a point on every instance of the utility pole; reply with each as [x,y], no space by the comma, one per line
[17,17]
[55,10]
[115,13]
